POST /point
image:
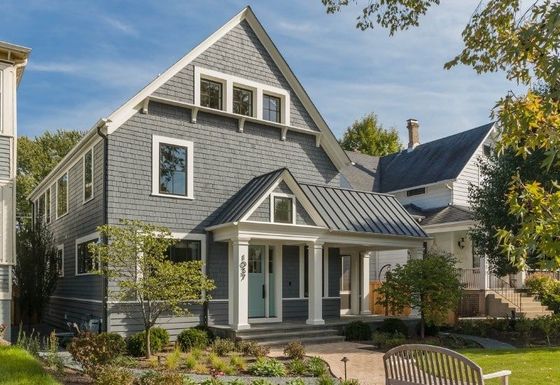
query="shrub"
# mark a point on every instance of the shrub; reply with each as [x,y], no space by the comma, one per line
[238,362]
[547,290]
[549,326]
[296,381]
[430,329]
[191,361]
[393,325]
[251,348]
[261,381]
[294,350]
[385,340]
[173,359]
[325,380]
[53,359]
[350,381]
[267,367]
[114,341]
[237,381]
[212,381]
[222,346]
[316,366]
[92,351]
[357,331]
[136,345]
[192,338]
[161,378]
[200,368]
[297,367]
[114,375]
[219,365]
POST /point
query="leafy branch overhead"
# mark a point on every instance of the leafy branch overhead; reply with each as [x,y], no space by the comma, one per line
[521,40]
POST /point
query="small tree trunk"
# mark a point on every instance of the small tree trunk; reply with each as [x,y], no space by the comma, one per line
[148,340]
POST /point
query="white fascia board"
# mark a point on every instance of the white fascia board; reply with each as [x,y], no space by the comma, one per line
[449,227]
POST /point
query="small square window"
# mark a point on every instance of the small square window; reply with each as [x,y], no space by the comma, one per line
[283,209]
[172,169]
[242,101]
[271,108]
[211,94]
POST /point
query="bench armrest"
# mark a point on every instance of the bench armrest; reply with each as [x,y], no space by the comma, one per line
[501,373]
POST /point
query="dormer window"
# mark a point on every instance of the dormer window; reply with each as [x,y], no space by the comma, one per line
[272,108]
[211,94]
[282,208]
[242,101]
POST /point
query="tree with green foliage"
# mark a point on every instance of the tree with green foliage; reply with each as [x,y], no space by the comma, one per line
[36,269]
[368,136]
[431,285]
[36,158]
[520,39]
[134,255]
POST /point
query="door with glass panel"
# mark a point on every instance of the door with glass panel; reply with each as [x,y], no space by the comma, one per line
[262,301]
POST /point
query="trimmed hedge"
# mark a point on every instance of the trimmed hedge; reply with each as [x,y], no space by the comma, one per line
[192,338]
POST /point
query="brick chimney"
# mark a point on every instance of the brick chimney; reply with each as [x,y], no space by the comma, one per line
[413,134]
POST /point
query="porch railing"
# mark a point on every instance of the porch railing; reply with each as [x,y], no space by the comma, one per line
[555,274]
[505,290]
[470,278]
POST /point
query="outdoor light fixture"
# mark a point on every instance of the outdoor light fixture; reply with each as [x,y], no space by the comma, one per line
[461,243]
[345,360]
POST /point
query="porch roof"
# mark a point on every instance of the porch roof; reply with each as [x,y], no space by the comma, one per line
[340,209]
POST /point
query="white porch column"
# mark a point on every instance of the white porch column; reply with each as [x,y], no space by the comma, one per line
[355,283]
[315,316]
[484,273]
[239,276]
[365,283]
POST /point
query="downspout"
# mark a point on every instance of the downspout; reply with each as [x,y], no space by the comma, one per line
[105,285]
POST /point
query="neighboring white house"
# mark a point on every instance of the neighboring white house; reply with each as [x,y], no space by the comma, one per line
[13,59]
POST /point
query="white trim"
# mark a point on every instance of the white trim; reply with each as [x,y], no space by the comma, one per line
[78,241]
[444,181]
[60,247]
[194,237]
[302,272]
[325,271]
[48,206]
[78,299]
[84,200]
[67,194]
[156,141]
[448,227]
[283,195]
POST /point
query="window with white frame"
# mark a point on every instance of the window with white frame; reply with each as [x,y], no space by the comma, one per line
[172,167]
[282,208]
[272,108]
[62,195]
[211,94]
[185,250]
[60,260]
[88,175]
[48,205]
[86,262]
[41,208]
[242,101]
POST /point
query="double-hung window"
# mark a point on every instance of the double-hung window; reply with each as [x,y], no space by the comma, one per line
[211,94]
[48,205]
[60,260]
[242,101]
[185,250]
[271,108]
[86,262]
[62,195]
[172,167]
[41,208]
[88,175]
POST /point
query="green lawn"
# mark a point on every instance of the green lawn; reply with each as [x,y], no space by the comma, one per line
[533,366]
[17,367]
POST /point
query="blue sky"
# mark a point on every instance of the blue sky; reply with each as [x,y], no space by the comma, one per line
[91,56]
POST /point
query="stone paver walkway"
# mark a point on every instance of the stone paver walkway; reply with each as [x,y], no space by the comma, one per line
[486,343]
[364,364]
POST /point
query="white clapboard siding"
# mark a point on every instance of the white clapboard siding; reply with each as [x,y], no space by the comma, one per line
[438,195]
[469,175]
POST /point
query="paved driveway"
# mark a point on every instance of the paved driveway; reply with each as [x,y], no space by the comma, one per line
[364,364]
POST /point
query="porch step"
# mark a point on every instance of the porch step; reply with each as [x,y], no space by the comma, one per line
[292,334]
[303,340]
[530,307]
[282,334]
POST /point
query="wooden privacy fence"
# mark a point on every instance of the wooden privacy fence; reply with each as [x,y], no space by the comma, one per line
[375,308]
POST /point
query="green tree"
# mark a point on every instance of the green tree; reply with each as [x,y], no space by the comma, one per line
[431,285]
[36,158]
[520,39]
[134,255]
[36,269]
[369,137]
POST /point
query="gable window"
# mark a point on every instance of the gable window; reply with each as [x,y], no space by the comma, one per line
[41,208]
[242,101]
[282,208]
[86,262]
[88,175]
[271,108]
[211,94]
[48,205]
[172,167]
[416,191]
[62,196]
[185,250]
[60,260]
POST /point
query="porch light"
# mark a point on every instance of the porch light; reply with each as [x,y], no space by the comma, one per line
[461,243]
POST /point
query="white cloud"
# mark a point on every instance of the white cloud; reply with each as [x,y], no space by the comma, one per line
[120,25]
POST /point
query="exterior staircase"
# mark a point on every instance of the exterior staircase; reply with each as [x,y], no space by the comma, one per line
[524,305]
[282,334]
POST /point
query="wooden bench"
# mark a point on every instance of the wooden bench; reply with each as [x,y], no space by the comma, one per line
[432,365]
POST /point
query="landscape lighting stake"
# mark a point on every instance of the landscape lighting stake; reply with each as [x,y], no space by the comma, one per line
[345,360]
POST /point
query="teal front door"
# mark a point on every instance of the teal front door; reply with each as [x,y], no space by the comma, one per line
[262,302]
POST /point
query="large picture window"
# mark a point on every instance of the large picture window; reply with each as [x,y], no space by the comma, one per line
[88,175]
[211,94]
[172,167]
[86,262]
[62,195]
[185,250]
[242,101]
[271,108]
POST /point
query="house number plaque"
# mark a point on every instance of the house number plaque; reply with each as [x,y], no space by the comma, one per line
[243,268]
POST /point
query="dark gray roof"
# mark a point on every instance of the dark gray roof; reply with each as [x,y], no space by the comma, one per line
[361,211]
[431,162]
[245,198]
[440,215]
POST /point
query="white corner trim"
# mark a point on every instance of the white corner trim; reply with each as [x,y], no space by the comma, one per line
[283,195]
[156,141]
[60,247]
[78,241]
[84,200]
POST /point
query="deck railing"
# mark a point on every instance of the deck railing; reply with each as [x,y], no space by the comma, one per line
[470,278]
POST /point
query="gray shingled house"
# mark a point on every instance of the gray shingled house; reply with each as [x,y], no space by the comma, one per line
[227,150]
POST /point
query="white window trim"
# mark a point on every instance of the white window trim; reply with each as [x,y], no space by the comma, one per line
[90,151]
[229,81]
[78,241]
[67,195]
[194,237]
[282,195]
[61,248]
[2,101]
[156,141]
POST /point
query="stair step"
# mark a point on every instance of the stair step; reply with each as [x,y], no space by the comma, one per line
[294,335]
[303,340]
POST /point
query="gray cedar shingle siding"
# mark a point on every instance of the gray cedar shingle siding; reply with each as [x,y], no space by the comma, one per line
[4,278]
[238,53]
[217,268]
[290,272]
[5,143]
